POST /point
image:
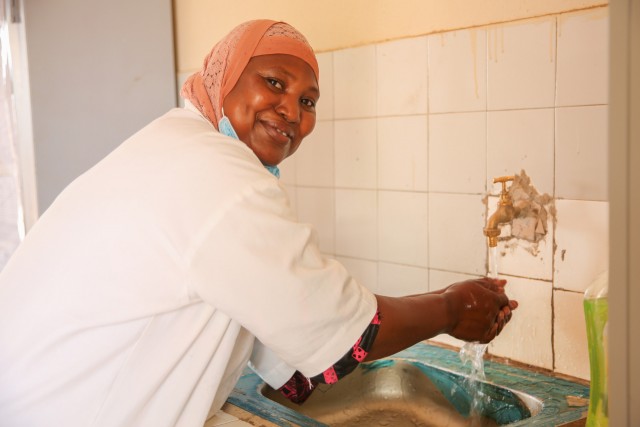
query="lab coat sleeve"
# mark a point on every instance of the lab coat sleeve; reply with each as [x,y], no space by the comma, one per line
[273,370]
[254,262]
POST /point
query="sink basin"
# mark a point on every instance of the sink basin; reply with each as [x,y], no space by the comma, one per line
[424,385]
[399,393]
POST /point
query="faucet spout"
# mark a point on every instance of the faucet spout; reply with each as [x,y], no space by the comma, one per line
[505,213]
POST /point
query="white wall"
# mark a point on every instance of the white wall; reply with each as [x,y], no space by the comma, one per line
[338,24]
[98,72]
[411,132]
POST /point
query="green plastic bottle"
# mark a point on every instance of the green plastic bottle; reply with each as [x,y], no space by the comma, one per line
[596,312]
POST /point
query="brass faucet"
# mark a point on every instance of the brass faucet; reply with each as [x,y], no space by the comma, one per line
[505,213]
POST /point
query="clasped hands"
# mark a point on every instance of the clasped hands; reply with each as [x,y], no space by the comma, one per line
[480,308]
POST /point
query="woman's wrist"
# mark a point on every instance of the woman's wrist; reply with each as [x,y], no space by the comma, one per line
[451,313]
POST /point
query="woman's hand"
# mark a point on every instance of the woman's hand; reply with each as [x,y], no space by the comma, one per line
[473,310]
[479,309]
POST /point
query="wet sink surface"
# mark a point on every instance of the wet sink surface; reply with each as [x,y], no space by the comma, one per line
[399,393]
[422,386]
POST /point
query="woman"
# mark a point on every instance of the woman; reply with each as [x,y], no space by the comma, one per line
[138,297]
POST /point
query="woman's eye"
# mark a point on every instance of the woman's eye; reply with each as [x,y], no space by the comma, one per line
[309,103]
[275,83]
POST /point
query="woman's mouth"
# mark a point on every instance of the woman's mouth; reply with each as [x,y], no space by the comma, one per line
[283,133]
[278,133]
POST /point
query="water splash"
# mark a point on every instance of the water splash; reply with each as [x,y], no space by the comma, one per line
[473,353]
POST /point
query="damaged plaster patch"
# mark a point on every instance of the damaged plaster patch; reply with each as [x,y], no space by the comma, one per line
[535,211]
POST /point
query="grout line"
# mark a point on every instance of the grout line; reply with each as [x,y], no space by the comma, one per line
[554,245]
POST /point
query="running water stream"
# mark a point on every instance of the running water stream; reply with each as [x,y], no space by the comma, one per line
[473,353]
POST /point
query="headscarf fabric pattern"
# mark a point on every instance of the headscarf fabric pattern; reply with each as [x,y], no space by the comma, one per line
[207,88]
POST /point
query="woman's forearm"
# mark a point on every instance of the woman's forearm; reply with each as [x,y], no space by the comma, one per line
[471,310]
[408,320]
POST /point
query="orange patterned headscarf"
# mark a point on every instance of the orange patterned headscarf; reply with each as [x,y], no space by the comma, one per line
[207,88]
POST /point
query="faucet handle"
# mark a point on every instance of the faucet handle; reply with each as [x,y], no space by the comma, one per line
[504,195]
[503,179]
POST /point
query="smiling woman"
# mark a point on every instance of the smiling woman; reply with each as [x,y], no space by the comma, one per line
[272,107]
[154,278]
[265,75]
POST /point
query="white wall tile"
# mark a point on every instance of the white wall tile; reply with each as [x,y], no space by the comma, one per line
[520,257]
[457,152]
[582,153]
[402,153]
[582,243]
[399,280]
[521,65]
[364,271]
[315,157]
[324,108]
[316,207]
[402,77]
[354,81]
[458,71]
[439,279]
[356,153]
[521,140]
[500,83]
[527,337]
[583,58]
[571,353]
[403,227]
[357,223]
[456,242]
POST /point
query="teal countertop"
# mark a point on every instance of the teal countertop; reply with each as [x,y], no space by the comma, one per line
[558,401]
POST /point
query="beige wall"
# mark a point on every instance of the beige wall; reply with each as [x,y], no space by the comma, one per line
[336,24]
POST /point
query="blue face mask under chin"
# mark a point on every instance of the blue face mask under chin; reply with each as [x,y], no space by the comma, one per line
[226,128]
[274,170]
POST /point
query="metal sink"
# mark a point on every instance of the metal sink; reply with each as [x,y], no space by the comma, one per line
[399,393]
[424,385]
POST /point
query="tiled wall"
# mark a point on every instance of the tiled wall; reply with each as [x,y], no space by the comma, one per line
[397,176]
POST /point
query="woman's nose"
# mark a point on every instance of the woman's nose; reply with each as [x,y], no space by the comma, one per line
[289,109]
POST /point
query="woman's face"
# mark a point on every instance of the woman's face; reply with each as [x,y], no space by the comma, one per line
[272,107]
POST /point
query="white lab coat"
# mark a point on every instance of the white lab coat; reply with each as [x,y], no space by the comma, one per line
[136,298]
